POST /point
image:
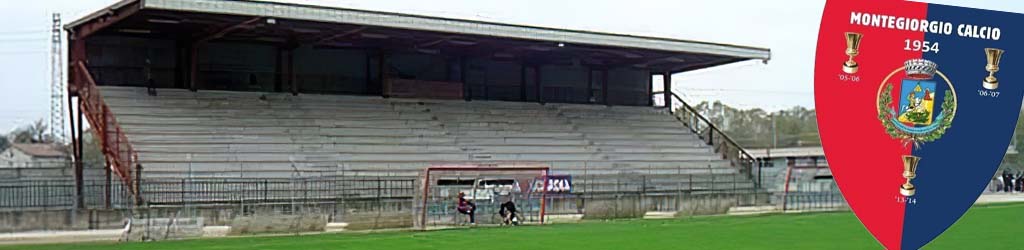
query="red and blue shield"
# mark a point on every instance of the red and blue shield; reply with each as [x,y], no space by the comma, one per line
[913,110]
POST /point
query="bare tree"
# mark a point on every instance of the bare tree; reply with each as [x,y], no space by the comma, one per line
[37,132]
[4,143]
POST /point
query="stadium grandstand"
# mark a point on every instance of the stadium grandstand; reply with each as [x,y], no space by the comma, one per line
[227,102]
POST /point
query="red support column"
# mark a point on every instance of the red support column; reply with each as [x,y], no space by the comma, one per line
[426,193]
[522,82]
[785,189]
[79,180]
[536,82]
[193,68]
[381,73]
[604,86]
[467,91]
[279,70]
[544,196]
[75,137]
[590,85]
[290,66]
[667,82]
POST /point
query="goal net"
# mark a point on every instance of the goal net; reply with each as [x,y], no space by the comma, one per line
[485,188]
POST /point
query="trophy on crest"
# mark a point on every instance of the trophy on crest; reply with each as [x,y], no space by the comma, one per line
[852,50]
[993,55]
[909,172]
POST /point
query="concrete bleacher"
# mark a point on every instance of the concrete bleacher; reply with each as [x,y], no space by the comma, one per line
[248,134]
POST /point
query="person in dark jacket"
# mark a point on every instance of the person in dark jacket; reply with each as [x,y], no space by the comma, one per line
[1007,181]
[466,207]
[508,212]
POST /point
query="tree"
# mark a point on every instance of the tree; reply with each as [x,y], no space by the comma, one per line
[4,143]
[1015,161]
[757,128]
[92,155]
[37,132]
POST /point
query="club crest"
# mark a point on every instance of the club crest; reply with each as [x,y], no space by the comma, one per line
[923,113]
[915,121]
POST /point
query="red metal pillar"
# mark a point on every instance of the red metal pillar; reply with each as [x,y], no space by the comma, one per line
[193,68]
[290,66]
[75,137]
[279,70]
[604,86]
[426,193]
[650,89]
[467,91]
[138,184]
[522,82]
[544,196]
[79,179]
[667,81]
[381,73]
[536,82]
[590,85]
[785,189]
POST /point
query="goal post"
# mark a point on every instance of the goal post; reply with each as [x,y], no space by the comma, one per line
[487,187]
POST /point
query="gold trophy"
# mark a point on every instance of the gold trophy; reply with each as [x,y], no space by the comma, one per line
[909,172]
[852,50]
[993,55]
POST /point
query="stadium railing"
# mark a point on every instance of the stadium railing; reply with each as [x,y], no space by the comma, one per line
[712,135]
[120,155]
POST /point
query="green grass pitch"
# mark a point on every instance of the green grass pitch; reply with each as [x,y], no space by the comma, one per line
[984,227]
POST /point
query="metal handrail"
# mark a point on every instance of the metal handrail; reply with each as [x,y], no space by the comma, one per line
[117,150]
[743,154]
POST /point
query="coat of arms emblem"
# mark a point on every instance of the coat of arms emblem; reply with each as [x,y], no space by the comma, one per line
[914,118]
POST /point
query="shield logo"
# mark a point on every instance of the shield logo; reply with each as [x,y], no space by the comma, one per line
[914,114]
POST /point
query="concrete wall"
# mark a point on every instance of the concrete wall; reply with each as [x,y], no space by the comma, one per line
[365,215]
[683,204]
[267,224]
[622,206]
[20,221]
[165,229]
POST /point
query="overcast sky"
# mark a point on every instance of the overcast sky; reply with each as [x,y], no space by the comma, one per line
[789,29]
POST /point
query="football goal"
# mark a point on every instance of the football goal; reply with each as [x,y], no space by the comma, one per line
[484,189]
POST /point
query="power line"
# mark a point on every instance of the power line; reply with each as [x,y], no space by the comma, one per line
[24,52]
[759,91]
[15,32]
[41,39]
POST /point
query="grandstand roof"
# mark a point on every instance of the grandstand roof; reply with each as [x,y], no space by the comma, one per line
[294,23]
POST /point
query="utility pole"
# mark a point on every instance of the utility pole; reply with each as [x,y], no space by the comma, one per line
[56,82]
[775,133]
